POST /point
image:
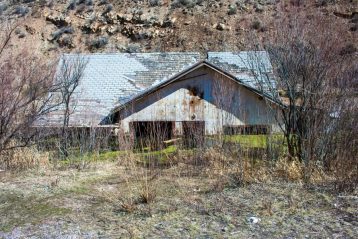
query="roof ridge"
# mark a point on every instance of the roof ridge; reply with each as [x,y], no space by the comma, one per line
[248,51]
[126,53]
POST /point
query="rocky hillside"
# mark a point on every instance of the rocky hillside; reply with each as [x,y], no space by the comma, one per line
[51,26]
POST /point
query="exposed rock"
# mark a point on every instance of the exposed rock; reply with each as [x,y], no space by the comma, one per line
[345,15]
[22,35]
[152,22]
[103,28]
[128,31]
[220,26]
[111,18]
[169,22]
[138,20]
[66,41]
[136,33]
[59,20]
[92,28]
[112,30]
[124,18]
[30,30]
[254,220]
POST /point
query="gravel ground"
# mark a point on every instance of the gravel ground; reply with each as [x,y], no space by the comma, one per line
[106,201]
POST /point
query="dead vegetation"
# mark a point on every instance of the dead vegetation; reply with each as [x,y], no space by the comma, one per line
[185,190]
[117,199]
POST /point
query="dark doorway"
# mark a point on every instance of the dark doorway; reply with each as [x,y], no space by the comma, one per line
[151,133]
[194,133]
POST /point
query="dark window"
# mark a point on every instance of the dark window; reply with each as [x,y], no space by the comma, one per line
[246,129]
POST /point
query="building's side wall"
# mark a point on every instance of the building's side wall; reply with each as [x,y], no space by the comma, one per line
[202,95]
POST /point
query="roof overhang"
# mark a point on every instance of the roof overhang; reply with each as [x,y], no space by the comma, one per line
[188,71]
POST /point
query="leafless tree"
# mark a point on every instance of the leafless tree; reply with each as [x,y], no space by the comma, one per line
[25,84]
[70,72]
[310,70]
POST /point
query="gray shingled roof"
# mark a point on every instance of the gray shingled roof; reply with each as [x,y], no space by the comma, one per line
[110,80]
[253,68]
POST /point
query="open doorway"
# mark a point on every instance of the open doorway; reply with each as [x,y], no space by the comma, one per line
[194,133]
[151,134]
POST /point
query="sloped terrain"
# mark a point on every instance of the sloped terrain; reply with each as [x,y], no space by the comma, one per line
[162,25]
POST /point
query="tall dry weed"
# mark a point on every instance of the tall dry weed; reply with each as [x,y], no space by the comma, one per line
[237,169]
[139,182]
[288,169]
[23,158]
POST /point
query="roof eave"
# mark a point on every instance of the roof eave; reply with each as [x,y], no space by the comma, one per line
[187,71]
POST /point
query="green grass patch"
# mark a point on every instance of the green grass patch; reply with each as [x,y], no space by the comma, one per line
[251,141]
[166,151]
[159,156]
[92,157]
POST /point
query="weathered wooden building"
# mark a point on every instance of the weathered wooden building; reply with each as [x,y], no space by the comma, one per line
[222,93]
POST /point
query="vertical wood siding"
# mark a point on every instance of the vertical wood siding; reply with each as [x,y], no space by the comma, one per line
[202,95]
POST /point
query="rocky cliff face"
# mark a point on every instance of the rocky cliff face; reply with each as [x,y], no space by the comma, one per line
[51,26]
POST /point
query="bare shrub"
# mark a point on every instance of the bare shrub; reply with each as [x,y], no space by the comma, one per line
[103,2]
[183,3]
[128,206]
[26,83]
[343,161]
[289,170]
[154,3]
[68,78]
[21,10]
[109,8]
[232,10]
[3,7]
[23,158]
[71,5]
[89,2]
[57,34]
[316,80]
[147,192]
[141,178]
[256,24]
[226,171]
[97,42]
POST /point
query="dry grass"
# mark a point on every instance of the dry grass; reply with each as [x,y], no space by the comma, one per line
[147,192]
[240,171]
[23,158]
[206,193]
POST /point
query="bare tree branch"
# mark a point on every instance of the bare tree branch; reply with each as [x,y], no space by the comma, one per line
[70,72]
[24,93]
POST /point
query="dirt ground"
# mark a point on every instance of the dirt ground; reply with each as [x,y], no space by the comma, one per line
[107,200]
